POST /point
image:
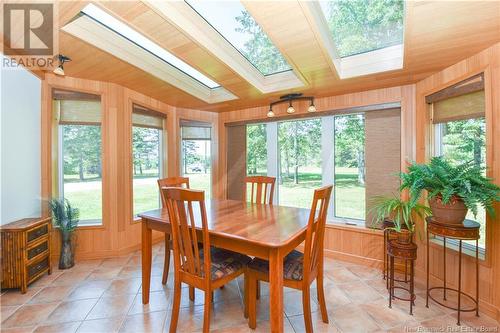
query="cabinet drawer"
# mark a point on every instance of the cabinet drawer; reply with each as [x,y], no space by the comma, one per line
[40,248]
[38,232]
[37,267]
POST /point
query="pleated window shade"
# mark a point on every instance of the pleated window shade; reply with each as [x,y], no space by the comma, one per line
[461,101]
[143,117]
[74,112]
[193,130]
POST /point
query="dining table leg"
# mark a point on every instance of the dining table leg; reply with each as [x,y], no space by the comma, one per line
[146,261]
[276,290]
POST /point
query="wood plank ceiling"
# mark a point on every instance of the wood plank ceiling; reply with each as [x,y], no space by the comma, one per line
[437,34]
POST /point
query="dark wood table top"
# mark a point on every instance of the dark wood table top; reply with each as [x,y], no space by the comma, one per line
[272,226]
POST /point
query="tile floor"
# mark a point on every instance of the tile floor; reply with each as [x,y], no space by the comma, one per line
[105,296]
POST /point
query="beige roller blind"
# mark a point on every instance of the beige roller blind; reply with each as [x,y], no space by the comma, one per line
[462,107]
[236,161]
[73,112]
[195,130]
[143,117]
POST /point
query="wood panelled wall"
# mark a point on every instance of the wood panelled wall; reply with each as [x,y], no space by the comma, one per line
[487,61]
[119,233]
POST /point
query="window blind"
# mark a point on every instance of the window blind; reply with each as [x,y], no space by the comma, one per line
[73,112]
[144,117]
[462,107]
[195,130]
[460,101]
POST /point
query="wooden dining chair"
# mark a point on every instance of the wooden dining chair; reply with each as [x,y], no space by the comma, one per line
[206,268]
[169,182]
[262,190]
[299,269]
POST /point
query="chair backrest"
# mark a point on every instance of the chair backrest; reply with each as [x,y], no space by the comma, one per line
[313,249]
[172,182]
[179,203]
[262,189]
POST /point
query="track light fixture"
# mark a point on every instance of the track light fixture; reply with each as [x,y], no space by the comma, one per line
[60,69]
[289,98]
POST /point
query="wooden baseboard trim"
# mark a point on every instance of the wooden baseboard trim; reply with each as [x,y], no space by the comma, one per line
[370,262]
[107,254]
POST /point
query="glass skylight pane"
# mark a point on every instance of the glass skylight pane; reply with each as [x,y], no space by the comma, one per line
[239,28]
[359,26]
[121,28]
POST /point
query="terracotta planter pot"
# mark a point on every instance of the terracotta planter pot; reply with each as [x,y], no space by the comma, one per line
[452,213]
[404,237]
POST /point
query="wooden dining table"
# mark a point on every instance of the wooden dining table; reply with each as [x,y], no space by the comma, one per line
[263,231]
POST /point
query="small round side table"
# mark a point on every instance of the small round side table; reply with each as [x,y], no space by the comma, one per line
[388,235]
[467,230]
[408,254]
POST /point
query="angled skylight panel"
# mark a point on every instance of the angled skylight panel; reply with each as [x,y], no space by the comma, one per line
[360,26]
[135,37]
[232,21]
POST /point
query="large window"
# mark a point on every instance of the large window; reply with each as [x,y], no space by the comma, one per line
[147,157]
[196,155]
[80,156]
[464,140]
[357,152]
[349,192]
[458,115]
[300,173]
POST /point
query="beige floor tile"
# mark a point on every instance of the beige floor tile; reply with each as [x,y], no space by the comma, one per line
[14,296]
[365,273]
[123,286]
[45,280]
[158,301]
[58,328]
[480,323]
[18,329]
[29,315]
[444,323]
[359,292]
[130,272]
[71,311]
[89,289]
[108,307]
[70,278]
[104,273]
[7,310]
[384,316]
[51,294]
[352,318]
[339,275]
[293,303]
[319,326]
[106,325]
[115,262]
[146,322]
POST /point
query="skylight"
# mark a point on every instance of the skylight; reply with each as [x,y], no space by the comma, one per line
[135,37]
[359,26]
[238,27]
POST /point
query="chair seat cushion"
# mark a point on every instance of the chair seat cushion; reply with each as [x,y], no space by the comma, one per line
[293,265]
[225,262]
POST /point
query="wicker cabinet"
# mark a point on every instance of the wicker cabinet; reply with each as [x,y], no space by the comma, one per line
[25,252]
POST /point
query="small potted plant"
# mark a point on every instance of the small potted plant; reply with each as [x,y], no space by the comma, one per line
[451,189]
[401,213]
[65,218]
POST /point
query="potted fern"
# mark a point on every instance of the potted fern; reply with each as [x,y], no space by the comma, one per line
[401,213]
[65,218]
[452,190]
